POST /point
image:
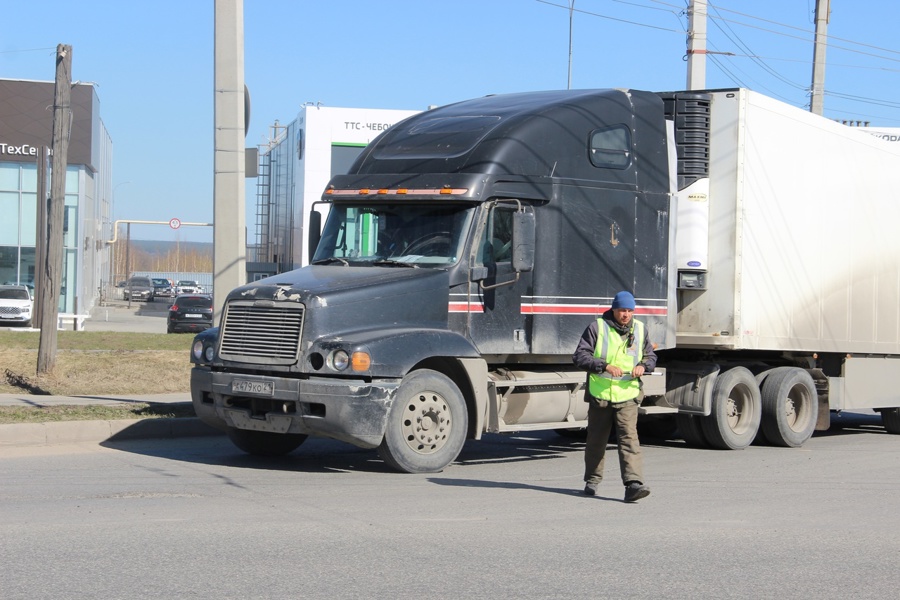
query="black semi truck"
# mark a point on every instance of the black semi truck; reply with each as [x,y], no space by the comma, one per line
[469,246]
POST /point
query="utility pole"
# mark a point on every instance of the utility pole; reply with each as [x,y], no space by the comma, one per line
[53,234]
[696,52]
[41,218]
[817,96]
[229,231]
[571,11]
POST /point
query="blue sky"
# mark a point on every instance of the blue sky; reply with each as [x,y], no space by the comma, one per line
[153,63]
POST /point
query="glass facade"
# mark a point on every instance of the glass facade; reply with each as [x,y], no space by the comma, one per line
[18,228]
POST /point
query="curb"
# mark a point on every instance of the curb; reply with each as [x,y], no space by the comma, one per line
[95,432]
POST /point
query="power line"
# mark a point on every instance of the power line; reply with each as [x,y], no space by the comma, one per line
[607,17]
[27,50]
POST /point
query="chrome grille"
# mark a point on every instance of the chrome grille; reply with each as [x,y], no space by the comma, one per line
[261,332]
[10,310]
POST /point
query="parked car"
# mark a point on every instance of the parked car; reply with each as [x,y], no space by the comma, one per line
[28,284]
[139,288]
[162,287]
[190,312]
[188,286]
[16,304]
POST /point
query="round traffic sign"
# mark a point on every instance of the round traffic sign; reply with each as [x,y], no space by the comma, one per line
[175,223]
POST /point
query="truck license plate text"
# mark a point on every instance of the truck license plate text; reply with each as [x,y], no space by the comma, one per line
[261,388]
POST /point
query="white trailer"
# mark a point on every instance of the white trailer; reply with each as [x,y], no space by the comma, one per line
[801,260]
[330,139]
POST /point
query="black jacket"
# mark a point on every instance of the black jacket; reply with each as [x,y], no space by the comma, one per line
[584,353]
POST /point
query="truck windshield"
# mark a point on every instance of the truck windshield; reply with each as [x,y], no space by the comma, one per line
[416,234]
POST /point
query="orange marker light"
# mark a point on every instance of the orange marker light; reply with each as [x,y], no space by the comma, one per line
[361,361]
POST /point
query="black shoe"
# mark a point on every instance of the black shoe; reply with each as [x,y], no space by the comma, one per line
[636,490]
[590,489]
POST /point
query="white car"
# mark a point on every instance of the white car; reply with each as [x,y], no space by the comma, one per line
[187,286]
[16,304]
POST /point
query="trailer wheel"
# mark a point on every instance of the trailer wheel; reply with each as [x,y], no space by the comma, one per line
[890,418]
[265,443]
[736,410]
[691,430]
[760,378]
[427,424]
[789,407]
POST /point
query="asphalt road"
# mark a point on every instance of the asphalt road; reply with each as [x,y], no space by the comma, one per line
[195,518]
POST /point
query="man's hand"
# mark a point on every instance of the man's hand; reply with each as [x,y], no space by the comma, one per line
[613,370]
[638,371]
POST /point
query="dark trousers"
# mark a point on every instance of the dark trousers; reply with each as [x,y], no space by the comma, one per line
[601,417]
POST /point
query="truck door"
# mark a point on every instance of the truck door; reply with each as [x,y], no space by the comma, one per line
[496,323]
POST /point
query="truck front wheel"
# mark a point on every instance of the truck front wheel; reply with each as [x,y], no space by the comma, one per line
[264,443]
[427,424]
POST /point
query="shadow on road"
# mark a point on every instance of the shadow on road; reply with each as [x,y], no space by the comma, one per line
[319,455]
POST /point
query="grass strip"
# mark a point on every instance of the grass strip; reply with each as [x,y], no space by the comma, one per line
[102,412]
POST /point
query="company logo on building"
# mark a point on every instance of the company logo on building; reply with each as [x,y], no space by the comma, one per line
[23,150]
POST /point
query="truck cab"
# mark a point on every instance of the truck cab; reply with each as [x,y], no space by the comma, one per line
[462,256]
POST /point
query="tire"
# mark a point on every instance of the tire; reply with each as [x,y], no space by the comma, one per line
[890,418]
[760,378]
[789,407]
[427,424]
[691,430]
[264,443]
[736,410]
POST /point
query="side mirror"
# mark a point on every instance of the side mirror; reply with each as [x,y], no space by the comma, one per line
[315,232]
[523,241]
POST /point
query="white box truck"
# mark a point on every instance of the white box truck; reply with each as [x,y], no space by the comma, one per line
[469,246]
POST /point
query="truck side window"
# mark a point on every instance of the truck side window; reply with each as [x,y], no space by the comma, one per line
[611,147]
[497,242]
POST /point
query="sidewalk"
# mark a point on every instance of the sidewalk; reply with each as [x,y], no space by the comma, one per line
[116,315]
[71,432]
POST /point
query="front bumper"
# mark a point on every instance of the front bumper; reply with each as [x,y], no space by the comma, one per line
[348,410]
[15,317]
[192,325]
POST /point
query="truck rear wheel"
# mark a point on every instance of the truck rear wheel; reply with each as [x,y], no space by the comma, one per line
[789,407]
[264,443]
[427,424]
[736,410]
[890,418]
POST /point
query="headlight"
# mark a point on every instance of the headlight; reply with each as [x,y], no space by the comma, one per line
[339,360]
[210,353]
[197,350]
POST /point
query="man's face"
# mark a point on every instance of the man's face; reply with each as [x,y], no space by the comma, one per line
[623,316]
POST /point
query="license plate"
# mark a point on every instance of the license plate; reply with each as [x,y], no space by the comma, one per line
[7,316]
[260,388]
[194,316]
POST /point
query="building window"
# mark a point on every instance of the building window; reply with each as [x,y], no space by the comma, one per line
[9,261]
[9,224]
[9,177]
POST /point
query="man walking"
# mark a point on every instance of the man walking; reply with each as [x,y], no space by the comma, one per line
[615,350]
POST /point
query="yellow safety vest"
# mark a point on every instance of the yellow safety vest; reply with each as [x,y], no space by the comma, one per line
[613,350]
